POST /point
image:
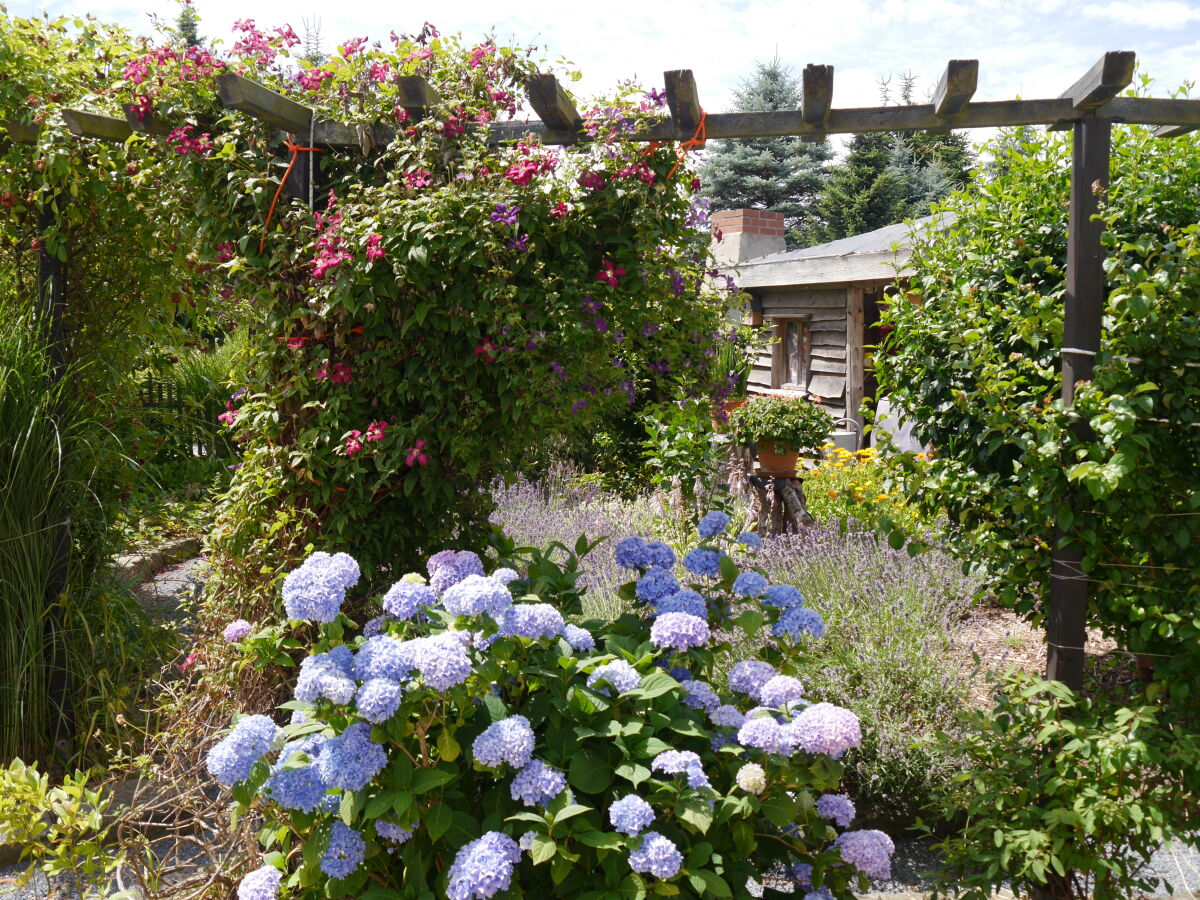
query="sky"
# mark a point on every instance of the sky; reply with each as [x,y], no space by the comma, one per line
[1026,48]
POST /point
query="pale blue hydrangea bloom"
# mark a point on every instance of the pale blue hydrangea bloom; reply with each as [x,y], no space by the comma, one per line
[713,523]
[825,728]
[761,732]
[679,673]
[656,584]
[537,784]
[526,841]
[404,599]
[659,554]
[750,540]
[341,567]
[507,741]
[784,595]
[331,804]
[700,695]
[393,834]
[378,699]
[374,627]
[796,621]
[780,690]
[727,716]
[821,893]
[618,673]
[383,656]
[703,562]
[750,584]
[631,815]
[475,595]
[869,851]
[505,575]
[631,553]
[802,874]
[580,639]
[236,631]
[681,762]
[685,601]
[442,659]
[230,761]
[300,787]
[679,631]
[838,808]
[312,594]
[748,676]
[448,568]
[344,854]
[261,884]
[326,675]
[657,855]
[483,868]
[351,759]
[531,620]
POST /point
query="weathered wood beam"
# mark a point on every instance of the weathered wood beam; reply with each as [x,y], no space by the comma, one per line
[956,87]
[816,99]
[1170,131]
[20,132]
[684,101]
[341,134]
[552,104]
[263,103]
[1103,81]
[1154,110]
[416,95]
[147,123]
[104,128]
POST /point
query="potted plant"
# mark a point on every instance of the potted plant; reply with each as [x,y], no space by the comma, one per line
[782,428]
[731,368]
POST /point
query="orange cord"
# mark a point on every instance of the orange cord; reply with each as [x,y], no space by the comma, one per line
[698,140]
[296,150]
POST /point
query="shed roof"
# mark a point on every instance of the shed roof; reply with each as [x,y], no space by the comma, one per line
[878,255]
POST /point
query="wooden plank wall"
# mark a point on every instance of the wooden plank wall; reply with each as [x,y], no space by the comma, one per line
[825,310]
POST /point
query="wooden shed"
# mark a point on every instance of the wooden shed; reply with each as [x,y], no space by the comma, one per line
[820,304]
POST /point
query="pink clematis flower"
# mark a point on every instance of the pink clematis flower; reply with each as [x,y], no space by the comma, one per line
[487,350]
[417,455]
[353,443]
[376,431]
[418,178]
[229,416]
[374,250]
[610,273]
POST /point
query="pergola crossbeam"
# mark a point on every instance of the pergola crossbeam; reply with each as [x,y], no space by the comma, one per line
[416,95]
[263,103]
[816,99]
[1108,77]
[552,104]
[90,125]
[1171,131]
[956,87]
[683,99]
[20,132]
[144,122]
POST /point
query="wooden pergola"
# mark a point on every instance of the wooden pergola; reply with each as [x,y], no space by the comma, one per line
[1090,107]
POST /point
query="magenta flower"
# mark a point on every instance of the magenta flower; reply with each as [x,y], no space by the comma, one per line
[229,416]
[559,211]
[311,79]
[352,46]
[376,431]
[610,273]
[381,72]
[353,443]
[417,455]
[418,178]
[593,181]
[374,250]
[487,350]
[225,251]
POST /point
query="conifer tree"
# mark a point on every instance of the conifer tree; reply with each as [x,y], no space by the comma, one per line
[780,174]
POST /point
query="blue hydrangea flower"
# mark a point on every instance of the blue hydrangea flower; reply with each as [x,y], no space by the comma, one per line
[679,631]
[351,759]
[762,732]
[299,787]
[393,834]
[796,621]
[836,807]
[332,804]
[631,554]
[383,656]
[631,815]
[685,601]
[448,568]
[703,562]
[341,567]
[679,673]
[750,540]
[727,716]
[618,673]
[378,699]
[475,595]
[261,884]
[230,761]
[802,874]
[404,599]
[507,741]
[656,584]
[483,868]
[531,620]
[750,584]
[537,784]
[748,676]
[657,855]
[713,523]
[700,695]
[782,595]
[505,575]
[442,659]
[344,854]
[374,627]
[312,594]
[659,554]
[326,675]
[825,728]
[681,762]
[869,851]
[718,741]
[780,690]
[580,639]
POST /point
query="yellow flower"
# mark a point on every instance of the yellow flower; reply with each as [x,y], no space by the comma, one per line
[881,496]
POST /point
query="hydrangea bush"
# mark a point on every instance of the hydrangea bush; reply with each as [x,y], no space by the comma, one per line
[469,741]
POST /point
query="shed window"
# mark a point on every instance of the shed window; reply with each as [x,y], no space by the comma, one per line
[792,354]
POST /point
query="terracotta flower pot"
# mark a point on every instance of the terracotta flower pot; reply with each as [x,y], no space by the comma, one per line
[772,461]
[720,414]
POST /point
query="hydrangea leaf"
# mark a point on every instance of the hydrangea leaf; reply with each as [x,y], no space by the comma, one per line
[543,849]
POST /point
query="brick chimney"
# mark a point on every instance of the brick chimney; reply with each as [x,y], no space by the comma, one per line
[746,234]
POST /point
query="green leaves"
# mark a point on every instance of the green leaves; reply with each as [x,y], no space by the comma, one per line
[591,771]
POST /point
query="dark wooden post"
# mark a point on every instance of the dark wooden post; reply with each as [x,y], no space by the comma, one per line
[1082,314]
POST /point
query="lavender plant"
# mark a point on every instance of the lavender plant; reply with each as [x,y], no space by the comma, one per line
[471,742]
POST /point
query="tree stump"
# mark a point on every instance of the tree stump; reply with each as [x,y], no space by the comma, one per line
[776,504]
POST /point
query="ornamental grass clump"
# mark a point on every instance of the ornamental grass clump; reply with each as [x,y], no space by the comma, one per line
[475,743]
